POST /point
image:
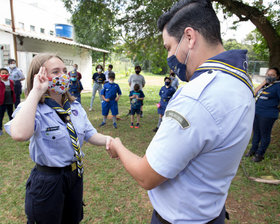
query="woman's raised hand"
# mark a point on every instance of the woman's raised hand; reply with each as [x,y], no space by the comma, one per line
[41,81]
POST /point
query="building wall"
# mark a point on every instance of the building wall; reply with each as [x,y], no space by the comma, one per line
[70,54]
[38,13]
[6,39]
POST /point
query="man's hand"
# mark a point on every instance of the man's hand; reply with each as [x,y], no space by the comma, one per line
[109,140]
[115,144]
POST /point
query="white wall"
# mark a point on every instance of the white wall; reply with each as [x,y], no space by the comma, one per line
[39,13]
[7,39]
[70,54]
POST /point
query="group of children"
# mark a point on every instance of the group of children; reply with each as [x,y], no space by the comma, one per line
[111,93]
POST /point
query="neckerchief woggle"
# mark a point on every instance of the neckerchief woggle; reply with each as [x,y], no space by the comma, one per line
[64,113]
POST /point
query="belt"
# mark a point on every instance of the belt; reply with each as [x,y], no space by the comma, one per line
[162,220]
[48,169]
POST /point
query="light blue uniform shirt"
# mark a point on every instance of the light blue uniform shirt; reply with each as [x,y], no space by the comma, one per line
[200,160]
[15,74]
[175,83]
[50,144]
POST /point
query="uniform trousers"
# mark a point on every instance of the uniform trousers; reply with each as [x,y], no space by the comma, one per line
[18,91]
[54,198]
[262,128]
[3,108]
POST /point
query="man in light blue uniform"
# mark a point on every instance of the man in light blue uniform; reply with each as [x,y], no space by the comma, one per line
[17,76]
[191,161]
[174,80]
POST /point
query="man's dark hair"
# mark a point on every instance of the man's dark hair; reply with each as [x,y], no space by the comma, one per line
[110,66]
[138,67]
[197,14]
[136,87]
[111,75]
[167,78]
[4,69]
[10,61]
[99,66]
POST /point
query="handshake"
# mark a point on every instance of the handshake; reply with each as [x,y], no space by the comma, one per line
[113,146]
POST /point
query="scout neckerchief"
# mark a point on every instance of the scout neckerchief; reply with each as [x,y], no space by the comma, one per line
[264,88]
[64,114]
[228,69]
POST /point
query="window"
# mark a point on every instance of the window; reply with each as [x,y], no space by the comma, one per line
[32,28]
[42,30]
[51,32]
[21,25]
[8,22]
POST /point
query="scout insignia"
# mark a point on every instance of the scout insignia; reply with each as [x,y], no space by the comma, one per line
[178,117]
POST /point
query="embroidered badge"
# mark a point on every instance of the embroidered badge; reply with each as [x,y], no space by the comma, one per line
[75,112]
[178,117]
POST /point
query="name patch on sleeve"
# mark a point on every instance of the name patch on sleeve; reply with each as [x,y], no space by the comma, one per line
[178,117]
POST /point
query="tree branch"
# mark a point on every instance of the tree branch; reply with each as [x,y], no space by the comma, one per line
[245,12]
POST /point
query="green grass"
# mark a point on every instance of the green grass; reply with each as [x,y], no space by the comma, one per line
[111,195]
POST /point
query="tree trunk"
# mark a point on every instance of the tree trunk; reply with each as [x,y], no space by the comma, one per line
[245,12]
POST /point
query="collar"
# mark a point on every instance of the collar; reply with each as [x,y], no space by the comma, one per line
[233,62]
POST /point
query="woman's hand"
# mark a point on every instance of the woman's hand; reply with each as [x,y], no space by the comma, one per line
[115,144]
[41,81]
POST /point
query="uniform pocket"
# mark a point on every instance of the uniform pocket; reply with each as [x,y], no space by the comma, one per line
[53,138]
[58,143]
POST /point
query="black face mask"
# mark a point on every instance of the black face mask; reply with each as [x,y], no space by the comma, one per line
[137,72]
[172,74]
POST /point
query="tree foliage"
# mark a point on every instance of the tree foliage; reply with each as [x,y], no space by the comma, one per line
[132,26]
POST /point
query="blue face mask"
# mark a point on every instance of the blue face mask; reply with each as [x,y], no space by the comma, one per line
[167,83]
[270,79]
[177,67]
[73,79]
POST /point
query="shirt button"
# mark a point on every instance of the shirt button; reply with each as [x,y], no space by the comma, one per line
[53,137]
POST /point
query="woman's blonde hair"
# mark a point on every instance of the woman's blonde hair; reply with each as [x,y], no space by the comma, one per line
[34,68]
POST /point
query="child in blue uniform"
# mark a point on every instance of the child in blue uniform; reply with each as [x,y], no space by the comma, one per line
[56,126]
[136,98]
[76,86]
[110,99]
[165,93]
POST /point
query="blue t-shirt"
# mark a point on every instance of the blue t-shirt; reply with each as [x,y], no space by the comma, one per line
[99,78]
[268,101]
[110,90]
[135,103]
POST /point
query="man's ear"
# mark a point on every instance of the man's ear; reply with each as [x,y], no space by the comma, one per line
[191,35]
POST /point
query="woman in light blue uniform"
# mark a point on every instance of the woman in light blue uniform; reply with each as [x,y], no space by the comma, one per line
[56,126]
[267,111]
